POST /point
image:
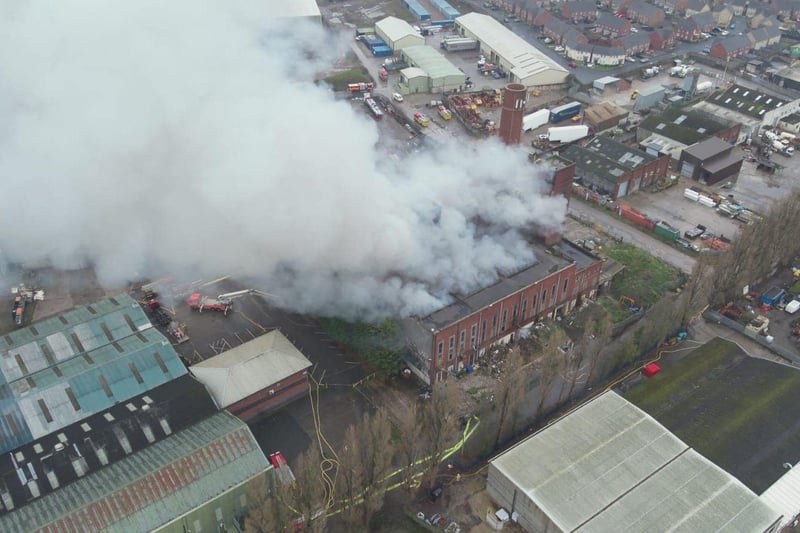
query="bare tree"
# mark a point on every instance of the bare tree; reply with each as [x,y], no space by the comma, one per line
[697,290]
[410,446]
[307,495]
[549,365]
[599,336]
[377,453]
[267,513]
[439,427]
[513,385]
[350,479]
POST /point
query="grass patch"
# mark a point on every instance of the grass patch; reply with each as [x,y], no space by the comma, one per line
[738,411]
[380,345]
[340,80]
[645,278]
[616,310]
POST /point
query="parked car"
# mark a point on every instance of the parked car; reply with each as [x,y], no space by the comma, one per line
[589,65]
[547,40]
[559,49]
[572,64]
[397,97]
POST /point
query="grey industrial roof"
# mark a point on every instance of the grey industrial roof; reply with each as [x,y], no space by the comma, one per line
[687,126]
[526,59]
[784,495]
[89,445]
[431,61]
[747,101]
[604,111]
[395,28]
[606,158]
[250,367]
[63,369]
[544,265]
[711,147]
[152,487]
[722,162]
[608,466]
[794,118]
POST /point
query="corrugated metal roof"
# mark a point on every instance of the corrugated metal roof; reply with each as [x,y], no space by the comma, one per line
[151,487]
[609,466]
[526,59]
[395,29]
[784,495]
[431,61]
[70,366]
[250,367]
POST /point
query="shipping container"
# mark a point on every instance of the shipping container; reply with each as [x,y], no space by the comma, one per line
[457,44]
[382,51]
[567,134]
[565,111]
[640,219]
[662,229]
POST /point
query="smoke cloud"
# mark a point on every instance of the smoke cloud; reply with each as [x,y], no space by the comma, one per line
[188,137]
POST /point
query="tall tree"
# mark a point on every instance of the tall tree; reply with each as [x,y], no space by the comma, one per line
[267,512]
[377,453]
[513,385]
[549,365]
[307,495]
[350,478]
[411,447]
[599,336]
[439,427]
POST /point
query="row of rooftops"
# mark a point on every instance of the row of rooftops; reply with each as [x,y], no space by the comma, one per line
[103,427]
[544,264]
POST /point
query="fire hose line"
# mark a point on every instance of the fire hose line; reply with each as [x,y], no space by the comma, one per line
[327,464]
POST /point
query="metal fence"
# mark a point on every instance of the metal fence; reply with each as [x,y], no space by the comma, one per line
[713,316]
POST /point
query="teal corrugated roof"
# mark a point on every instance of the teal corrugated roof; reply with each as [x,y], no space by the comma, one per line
[431,61]
[63,369]
[153,486]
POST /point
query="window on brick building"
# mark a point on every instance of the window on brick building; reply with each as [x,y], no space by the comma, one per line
[503,322]
[494,325]
[566,284]
[440,350]
[451,347]
[483,332]
[524,308]
[544,298]
[473,333]
[461,340]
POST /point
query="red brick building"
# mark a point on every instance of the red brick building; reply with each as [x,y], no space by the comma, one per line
[579,10]
[662,39]
[451,339]
[256,377]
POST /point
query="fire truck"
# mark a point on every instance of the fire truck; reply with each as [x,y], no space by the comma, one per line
[222,303]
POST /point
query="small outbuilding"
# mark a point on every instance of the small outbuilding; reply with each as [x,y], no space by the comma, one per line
[710,161]
[255,377]
[604,115]
[440,74]
[398,33]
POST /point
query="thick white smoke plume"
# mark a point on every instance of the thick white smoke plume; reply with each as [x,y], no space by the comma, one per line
[187,137]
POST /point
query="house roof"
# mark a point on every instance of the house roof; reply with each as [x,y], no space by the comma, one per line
[703,19]
[152,487]
[644,9]
[250,367]
[635,39]
[734,43]
[581,6]
[52,463]
[526,60]
[431,62]
[610,21]
[696,5]
[722,162]
[711,147]
[65,368]
[609,463]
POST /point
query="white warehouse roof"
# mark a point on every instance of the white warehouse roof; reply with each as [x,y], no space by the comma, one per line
[250,367]
[294,9]
[396,29]
[609,466]
[526,60]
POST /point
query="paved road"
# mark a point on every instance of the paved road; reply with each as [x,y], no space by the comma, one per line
[618,229]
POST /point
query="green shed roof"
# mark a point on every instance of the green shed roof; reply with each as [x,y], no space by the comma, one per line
[431,61]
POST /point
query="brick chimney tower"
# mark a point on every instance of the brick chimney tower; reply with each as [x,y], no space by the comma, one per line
[514,98]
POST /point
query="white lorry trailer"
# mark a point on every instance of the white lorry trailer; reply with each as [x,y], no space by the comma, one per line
[567,134]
